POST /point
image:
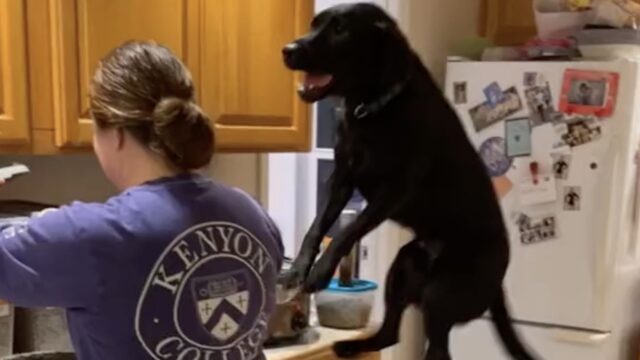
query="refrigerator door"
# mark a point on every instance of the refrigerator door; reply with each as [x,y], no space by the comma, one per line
[562,275]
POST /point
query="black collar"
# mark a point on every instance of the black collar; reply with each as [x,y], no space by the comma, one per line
[363,110]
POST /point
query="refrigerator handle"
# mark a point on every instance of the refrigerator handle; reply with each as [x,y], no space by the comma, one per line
[580,336]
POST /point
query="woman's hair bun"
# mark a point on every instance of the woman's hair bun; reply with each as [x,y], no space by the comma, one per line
[183,132]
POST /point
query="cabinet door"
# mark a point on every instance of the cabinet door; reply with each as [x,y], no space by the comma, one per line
[509,22]
[83,31]
[244,85]
[14,121]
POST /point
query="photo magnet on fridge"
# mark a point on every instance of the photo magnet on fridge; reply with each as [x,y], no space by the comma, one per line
[494,94]
[533,79]
[541,107]
[536,229]
[589,92]
[483,115]
[561,165]
[572,198]
[581,130]
[530,79]
[493,154]
[460,93]
[518,137]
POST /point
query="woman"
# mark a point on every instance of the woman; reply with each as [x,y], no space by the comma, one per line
[176,266]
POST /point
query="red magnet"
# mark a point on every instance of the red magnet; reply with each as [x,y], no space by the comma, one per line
[533,167]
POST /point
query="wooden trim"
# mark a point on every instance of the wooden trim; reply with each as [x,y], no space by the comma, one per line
[39,60]
[65,69]
[14,119]
[239,120]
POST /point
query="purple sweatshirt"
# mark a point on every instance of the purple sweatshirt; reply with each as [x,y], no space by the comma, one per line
[178,268]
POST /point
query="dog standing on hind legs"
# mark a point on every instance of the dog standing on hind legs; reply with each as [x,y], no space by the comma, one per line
[403,147]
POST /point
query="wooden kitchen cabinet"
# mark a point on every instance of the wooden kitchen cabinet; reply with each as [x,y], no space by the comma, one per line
[232,47]
[82,32]
[244,84]
[507,22]
[14,112]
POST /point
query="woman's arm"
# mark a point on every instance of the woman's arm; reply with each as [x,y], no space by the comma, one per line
[48,261]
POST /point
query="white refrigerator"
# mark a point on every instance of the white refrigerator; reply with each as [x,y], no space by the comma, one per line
[560,140]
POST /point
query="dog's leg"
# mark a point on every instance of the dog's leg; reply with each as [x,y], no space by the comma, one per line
[340,193]
[371,217]
[398,295]
[438,334]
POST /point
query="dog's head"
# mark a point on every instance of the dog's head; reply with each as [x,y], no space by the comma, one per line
[348,48]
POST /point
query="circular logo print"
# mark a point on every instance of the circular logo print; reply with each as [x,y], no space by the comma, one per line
[494,156]
[206,296]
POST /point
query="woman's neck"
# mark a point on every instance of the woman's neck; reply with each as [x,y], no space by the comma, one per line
[146,166]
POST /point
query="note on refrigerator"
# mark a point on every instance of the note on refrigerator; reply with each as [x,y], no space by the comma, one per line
[541,192]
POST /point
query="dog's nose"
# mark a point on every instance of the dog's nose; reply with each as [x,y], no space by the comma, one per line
[289,50]
[290,53]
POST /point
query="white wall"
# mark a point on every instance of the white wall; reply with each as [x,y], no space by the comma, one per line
[61,179]
[436,27]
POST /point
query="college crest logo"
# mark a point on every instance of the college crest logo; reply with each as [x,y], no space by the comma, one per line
[205,297]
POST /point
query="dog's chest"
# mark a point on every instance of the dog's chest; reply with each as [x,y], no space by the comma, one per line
[370,161]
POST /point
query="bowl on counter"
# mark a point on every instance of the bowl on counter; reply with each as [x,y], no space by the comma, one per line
[346,307]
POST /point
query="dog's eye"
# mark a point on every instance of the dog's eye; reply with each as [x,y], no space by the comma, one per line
[339,27]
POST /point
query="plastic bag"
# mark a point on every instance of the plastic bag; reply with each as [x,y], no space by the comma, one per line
[618,13]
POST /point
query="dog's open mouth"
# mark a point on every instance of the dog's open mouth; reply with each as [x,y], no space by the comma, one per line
[315,87]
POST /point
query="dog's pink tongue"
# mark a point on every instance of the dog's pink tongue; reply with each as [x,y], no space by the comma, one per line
[315,80]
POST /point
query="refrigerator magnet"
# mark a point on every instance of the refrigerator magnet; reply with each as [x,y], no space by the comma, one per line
[540,103]
[494,94]
[518,137]
[539,192]
[536,229]
[460,93]
[502,186]
[589,92]
[561,165]
[530,79]
[483,115]
[572,198]
[493,154]
[581,130]
[533,79]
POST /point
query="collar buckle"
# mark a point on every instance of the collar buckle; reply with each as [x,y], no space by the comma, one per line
[361,111]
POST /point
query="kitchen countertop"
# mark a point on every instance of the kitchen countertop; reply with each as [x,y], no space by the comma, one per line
[317,340]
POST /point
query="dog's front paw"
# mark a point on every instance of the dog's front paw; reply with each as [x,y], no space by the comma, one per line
[346,349]
[291,279]
[319,278]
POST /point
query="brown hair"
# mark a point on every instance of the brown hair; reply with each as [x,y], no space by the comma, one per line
[144,88]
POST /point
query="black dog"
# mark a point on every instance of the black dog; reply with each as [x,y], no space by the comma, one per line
[403,147]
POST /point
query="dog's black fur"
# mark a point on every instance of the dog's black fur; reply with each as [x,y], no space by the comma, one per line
[412,161]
